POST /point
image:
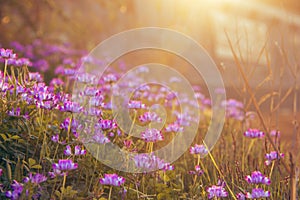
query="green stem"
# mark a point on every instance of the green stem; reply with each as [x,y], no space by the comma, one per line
[5,69]
[63,186]
[110,190]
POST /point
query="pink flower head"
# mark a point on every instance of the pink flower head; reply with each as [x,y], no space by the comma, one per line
[273,155]
[79,151]
[37,178]
[174,127]
[258,193]
[70,106]
[198,149]
[86,78]
[64,165]
[152,135]
[55,138]
[57,82]
[100,138]
[68,151]
[197,171]
[275,133]
[254,133]
[257,177]
[149,117]
[112,179]
[7,54]
[106,124]
[216,191]
[240,196]
[136,105]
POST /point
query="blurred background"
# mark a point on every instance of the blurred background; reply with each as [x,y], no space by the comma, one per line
[265,34]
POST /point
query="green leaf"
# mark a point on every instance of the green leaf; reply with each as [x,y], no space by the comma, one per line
[36,167]
[3,136]
[57,193]
[15,137]
[31,162]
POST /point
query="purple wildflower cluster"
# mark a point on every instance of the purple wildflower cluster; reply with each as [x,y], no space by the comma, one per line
[39,50]
[254,133]
[234,109]
[217,191]
[256,177]
[77,151]
[62,167]
[36,179]
[149,117]
[258,193]
[273,155]
[112,179]
[198,149]
[15,193]
[17,189]
[150,162]
[152,135]
[197,171]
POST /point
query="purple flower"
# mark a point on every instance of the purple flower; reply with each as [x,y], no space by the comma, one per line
[86,78]
[68,151]
[1,171]
[96,100]
[106,124]
[35,76]
[22,62]
[79,151]
[197,171]
[234,109]
[216,191]
[14,112]
[93,112]
[275,133]
[64,165]
[110,78]
[183,119]
[75,126]
[149,117]
[36,179]
[57,82]
[258,193]
[69,62]
[273,155]
[70,106]
[7,53]
[69,72]
[254,133]
[107,106]
[127,143]
[5,87]
[174,127]
[91,91]
[198,149]
[168,167]
[41,65]
[55,138]
[100,138]
[17,189]
[257,177]
[136,105]
[241,196]
[152,135]
[151,162]
[112,179]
